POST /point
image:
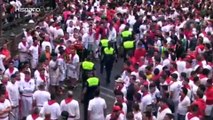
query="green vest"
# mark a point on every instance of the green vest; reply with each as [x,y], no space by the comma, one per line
[108,51]
[128,44]
[126,33]
[87,65]
[104,42]
[92,81]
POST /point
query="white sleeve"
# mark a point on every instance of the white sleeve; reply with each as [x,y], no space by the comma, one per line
[77,111]
[90,106]
[2,56]
[58,111]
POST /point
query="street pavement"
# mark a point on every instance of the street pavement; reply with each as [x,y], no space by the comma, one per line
[106,90]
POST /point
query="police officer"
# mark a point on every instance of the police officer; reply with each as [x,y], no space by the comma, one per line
[92,85]
[129,47]
[108,59]
[126,34]
[87,66]
[103,44]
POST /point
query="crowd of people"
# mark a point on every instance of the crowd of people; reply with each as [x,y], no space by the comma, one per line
[165,45]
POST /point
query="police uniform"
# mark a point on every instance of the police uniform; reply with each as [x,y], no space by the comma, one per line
[108,59]
[87,66]
[126,35]
[128,47]
[103,44]
[92,84]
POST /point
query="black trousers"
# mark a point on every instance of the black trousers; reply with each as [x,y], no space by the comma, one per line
[108,68]
[84,79]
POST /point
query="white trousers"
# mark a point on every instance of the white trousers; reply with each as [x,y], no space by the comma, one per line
[34,63]
[14,113]
[26,105]
[208,110]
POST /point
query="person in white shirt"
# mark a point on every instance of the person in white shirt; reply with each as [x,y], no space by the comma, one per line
[23,47]
[192,115]
[34,52]
[14,97]
[34,115]
[71,106]
[175,89]
[136,111]
[70,28]
[46,43]
[41,77]
[11,70]
[73,67]
[97,107]
[61,65]
[116,114]
[54,73]
[40,96]
[27,87]
[51,108]
[184,103]
[163,109]
[5,107]
[58,32]
[147,98]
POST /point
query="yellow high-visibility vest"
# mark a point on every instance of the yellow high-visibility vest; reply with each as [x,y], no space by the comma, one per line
[109,51]
[128,44]
[87,65]
[104,42]
[93,81]
[126,33]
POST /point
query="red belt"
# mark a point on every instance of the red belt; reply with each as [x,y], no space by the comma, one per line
[4,117]
[27,95]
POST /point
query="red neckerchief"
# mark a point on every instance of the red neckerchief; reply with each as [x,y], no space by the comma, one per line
[68,100]
[145,93]
[2,101]
[50,102]
[163,108]
[27,80]
[35,116]
[182,97]
[11,70]
[201,76]
[190,115]
[187,86]
[24,43]
[42,77]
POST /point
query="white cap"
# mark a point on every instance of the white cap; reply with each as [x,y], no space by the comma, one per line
[31,21]
[120,80]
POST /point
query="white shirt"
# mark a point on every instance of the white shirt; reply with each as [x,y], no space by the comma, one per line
[58,32]
[181,66]
[166,62]
[112,35]
[23,48]
[183,105]
[193,118]
[72,108]
[137,115]
[13,93]
[121,117]
[29,40]
[175,88]
[29,117]
[87,39]
[146,100]
[54,110]
[27,88]
[161,115]
[96,107]
[46,43]
[41,97]
[2,57]
[34,50]
[3,106]
[8,73]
